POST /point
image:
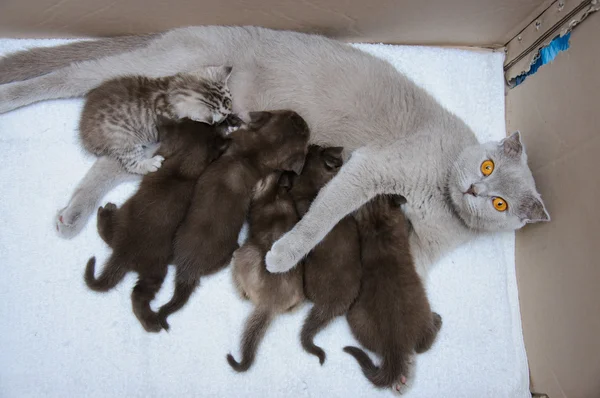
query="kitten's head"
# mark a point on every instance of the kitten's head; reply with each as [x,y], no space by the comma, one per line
[491,187]
[280,139]
[383,212]
[320,166]
[191,145]
[202,95]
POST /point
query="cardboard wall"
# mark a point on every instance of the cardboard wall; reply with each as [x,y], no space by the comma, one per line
[442,22]
[558,264]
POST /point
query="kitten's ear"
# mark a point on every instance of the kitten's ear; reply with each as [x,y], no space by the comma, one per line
[285,180]
[332,157]
[397,200]
[215,73]
[295,164]
[534,210]
[258,119]
[512,145]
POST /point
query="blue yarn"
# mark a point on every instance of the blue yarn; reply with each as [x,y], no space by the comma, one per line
[546,55]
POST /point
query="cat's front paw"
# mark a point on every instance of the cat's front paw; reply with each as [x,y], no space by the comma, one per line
[280,258]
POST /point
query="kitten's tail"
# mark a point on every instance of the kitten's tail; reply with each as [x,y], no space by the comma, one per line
[39,61]
[384,376]
[316,320]
[111,275]
[256,327]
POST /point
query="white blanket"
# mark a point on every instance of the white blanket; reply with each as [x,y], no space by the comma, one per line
[59,339]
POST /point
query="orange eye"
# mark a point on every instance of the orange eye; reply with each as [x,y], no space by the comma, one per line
[499,204]
[487,167]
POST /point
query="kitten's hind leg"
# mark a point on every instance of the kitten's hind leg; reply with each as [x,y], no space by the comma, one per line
[105,221]
[135,161]
[143,293]
[430,333]
[103,176]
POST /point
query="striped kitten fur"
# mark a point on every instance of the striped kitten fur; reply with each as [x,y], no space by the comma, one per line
[121,116]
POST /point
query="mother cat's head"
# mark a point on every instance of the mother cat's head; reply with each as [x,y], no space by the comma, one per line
[491,187]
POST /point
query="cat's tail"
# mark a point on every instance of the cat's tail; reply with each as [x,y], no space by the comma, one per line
[111,275]
[316,320]
[23,65]
[256,327]
[387,374]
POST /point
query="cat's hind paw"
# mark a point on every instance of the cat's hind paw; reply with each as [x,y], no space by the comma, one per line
[70,220]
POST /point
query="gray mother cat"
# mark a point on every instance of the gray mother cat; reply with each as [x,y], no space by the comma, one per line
[402,141]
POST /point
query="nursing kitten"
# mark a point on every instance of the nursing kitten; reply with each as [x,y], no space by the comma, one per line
[391,315]
[207,238]
[332,269]
[402,140]
[141,232]
[121,116]
[272,213]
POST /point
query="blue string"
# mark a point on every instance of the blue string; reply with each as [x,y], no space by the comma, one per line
[546,55]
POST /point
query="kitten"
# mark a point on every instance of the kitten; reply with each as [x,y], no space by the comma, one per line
[272,213]
[402,140]
[391,315]
[332,269]
[120,117]
[207,238]
[141,232]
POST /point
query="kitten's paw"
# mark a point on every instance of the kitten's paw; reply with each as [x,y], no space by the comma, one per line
[70,221]
[280,258]
[405,381]
[147,165]
[107,209]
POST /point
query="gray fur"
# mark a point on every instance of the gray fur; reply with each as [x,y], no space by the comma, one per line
[39,61]
[408,142]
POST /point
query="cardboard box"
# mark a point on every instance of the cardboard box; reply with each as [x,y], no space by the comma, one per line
[557,109]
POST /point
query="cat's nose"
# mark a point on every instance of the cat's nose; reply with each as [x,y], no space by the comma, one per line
[472,190]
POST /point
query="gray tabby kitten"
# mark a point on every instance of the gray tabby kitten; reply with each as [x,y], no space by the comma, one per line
[121,116]
[401,139]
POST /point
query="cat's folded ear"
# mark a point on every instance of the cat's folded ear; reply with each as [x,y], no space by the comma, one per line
[533,210]
[295,164]
[258,119]
[332,156]
[512,145]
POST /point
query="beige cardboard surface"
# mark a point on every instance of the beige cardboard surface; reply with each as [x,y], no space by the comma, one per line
[558,264]
[442,22]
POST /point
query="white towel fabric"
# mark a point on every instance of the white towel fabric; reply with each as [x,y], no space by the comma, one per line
[59,339]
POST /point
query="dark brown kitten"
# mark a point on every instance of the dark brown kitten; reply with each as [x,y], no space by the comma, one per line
[332,269]
[207,238]
[391,315]
[141,232]
[272,213]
